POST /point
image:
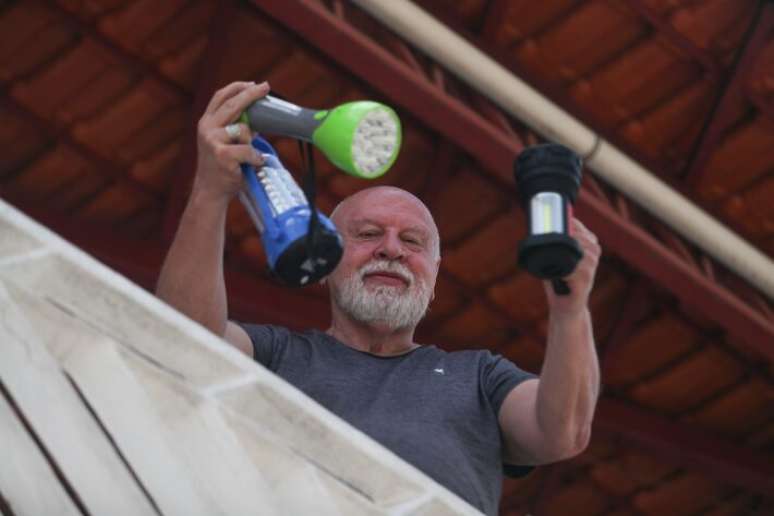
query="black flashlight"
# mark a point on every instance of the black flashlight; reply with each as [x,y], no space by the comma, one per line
[548,177]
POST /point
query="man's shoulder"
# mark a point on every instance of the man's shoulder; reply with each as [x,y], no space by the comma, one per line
[274,345]
[276,332]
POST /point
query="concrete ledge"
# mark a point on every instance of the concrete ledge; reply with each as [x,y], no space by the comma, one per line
[114,403]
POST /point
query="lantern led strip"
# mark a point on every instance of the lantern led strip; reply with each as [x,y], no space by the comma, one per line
[282,215]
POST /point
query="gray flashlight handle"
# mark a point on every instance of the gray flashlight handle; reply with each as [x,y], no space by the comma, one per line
[271,115]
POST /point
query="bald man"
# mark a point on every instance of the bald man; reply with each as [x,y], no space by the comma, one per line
[463,417]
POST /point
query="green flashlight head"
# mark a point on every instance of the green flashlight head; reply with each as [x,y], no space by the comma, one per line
[362,138]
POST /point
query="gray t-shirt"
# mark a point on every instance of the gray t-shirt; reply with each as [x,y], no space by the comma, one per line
[435,409]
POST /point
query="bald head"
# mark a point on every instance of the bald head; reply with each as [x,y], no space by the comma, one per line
[358,204]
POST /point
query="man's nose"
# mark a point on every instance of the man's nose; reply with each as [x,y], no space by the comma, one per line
[390,247]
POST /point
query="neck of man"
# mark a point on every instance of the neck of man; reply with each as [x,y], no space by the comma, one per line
[374,338]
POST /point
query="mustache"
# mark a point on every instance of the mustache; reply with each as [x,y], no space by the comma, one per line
[387,266]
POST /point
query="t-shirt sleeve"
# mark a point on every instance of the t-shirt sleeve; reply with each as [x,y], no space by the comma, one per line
[268,343]
[500,377]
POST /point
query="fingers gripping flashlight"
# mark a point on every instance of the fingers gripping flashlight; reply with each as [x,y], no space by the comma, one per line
[362,138]
[548,177]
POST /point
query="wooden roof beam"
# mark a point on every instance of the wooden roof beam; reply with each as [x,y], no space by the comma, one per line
[61,135]
[637,304]
[492,19]
[127,58]
[729,99]
[689,447]
[218,43]
[682,43]
[440,10]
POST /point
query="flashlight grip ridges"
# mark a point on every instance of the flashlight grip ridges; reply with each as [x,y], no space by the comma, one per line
[271,115]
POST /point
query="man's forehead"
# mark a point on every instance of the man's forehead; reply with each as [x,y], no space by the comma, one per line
[390,205]
[380,202]
[408,225]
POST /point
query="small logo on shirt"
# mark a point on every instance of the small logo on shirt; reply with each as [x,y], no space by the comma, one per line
[438,370]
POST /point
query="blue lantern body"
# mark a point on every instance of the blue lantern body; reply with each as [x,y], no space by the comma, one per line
[281,213]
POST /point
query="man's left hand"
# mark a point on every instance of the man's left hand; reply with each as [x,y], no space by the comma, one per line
[582,278]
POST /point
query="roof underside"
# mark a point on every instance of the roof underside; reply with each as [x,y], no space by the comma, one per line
[97,115]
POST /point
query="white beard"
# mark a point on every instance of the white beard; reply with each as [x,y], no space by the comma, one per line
[397,307]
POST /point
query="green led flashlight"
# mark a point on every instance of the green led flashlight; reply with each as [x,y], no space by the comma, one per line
[361,138]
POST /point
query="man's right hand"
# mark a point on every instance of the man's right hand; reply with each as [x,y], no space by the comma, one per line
[218,175]
[191,278]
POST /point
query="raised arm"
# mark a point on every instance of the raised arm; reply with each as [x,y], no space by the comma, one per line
[550,419]
[191,278]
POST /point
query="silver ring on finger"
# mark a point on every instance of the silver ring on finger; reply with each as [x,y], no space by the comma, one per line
[233,131]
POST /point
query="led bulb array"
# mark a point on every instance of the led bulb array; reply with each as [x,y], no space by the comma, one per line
[281,189]
[374,142]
